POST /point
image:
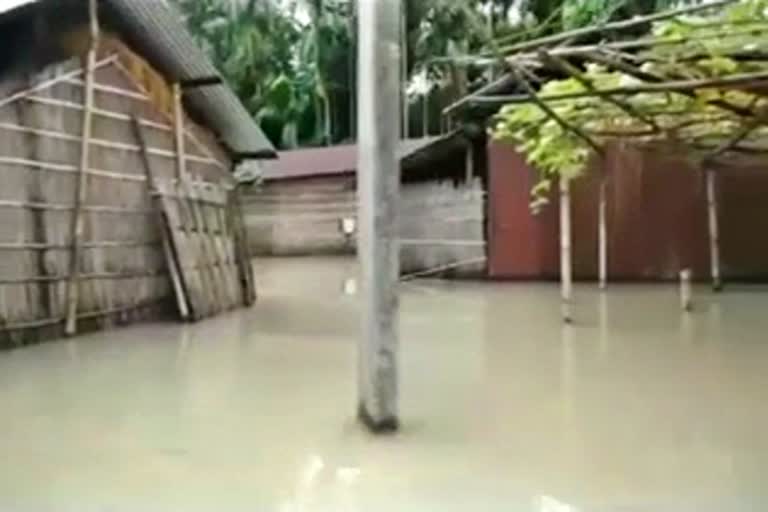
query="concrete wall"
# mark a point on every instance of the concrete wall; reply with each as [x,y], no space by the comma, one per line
[442,223]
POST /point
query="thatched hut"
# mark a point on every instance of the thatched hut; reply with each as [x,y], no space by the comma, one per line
[118,139]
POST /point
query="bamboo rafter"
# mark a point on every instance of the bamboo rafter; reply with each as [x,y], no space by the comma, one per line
[662,65]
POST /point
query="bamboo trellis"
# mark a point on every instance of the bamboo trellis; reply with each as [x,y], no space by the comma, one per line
[655,66]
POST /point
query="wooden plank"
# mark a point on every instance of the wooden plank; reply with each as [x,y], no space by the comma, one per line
[227,238]
[174,206]
[206,255]
[177,278]
[210,214]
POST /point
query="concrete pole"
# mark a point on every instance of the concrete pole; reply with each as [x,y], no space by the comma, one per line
[566,270]
[714,230]
[603,235]
[379,188]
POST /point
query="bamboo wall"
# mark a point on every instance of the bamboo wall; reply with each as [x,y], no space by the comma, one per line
[299,218]
[442,223]
[122,265]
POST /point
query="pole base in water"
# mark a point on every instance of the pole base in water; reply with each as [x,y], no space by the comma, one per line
[388,425]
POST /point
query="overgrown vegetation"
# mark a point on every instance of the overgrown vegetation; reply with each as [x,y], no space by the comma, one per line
[293,61]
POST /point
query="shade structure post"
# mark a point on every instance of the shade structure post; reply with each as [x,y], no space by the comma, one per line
[379,188]
[566,270]
[714,230]
[602,238]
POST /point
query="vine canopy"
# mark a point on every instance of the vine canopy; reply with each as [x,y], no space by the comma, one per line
[698,79]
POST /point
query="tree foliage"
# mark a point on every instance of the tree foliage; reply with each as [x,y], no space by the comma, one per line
[293,61]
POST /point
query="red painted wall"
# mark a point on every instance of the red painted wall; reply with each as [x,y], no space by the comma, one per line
[657,219]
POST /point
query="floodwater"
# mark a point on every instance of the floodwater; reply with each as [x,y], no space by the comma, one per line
[636,408]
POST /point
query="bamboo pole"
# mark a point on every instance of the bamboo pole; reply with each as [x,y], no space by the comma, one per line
[574,34]
[379,184]
[603,234]
[566,271]
[714,230]
[754,80]
[470,164]
[178,129]
[686,291]
[78,224]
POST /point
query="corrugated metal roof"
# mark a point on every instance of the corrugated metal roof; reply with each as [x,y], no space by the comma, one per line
[9,5]
[335,160]
[156,30]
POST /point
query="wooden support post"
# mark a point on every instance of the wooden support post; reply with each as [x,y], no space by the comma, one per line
[81,189]
[603,235]
[379,184]
[566,271]
[714,230]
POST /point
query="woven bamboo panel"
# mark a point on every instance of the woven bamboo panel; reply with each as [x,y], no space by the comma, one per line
[206,240]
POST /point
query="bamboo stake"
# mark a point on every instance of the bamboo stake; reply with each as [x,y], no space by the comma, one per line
[686,291]
[566,270]
[603,235]
[78,224]
[714,230]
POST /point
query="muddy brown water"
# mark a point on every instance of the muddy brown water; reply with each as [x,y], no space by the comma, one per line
[636,408]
